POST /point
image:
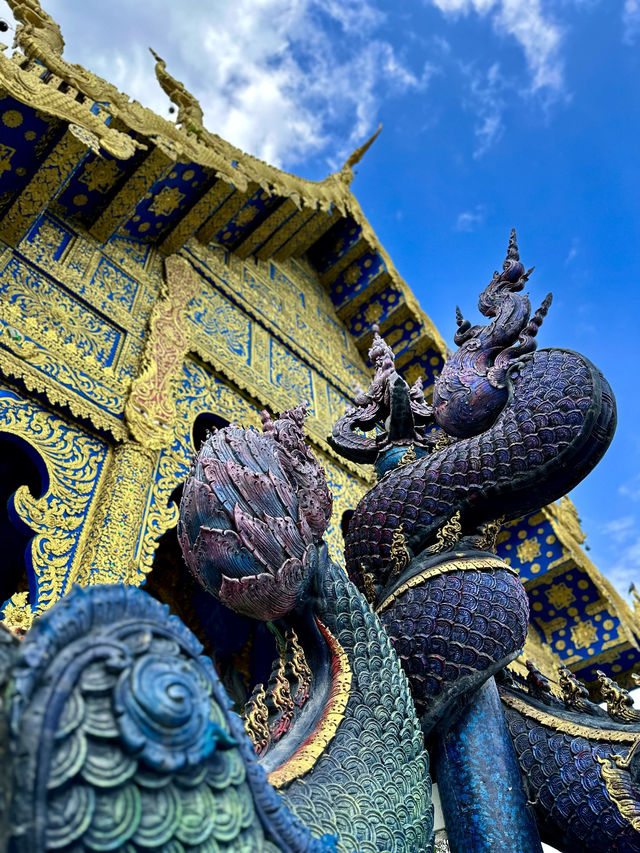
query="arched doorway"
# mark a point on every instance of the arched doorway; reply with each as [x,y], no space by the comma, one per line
[20,466]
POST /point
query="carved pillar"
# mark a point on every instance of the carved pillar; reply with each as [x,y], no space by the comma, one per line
[118,525]
[483,801]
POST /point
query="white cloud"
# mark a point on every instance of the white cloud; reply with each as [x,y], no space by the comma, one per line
[281,79]
[631,489]
[631,20]
[620,563]
[626,568]
[573,252]
[469,220]
[539,37]
[620,529]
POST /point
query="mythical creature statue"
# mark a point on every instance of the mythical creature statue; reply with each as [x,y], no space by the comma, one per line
[121,736]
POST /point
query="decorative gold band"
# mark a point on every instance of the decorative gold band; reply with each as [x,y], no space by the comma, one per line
[444,568]
[567,726]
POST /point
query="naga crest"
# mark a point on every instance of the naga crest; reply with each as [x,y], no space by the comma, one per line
[468,395]
[254,509]
[472,388]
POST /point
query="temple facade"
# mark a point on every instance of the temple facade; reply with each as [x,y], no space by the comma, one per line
[156,283]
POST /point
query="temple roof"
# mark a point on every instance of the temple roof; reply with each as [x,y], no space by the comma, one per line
[89,153]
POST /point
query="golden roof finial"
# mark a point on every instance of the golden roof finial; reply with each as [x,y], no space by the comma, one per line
[190,114]
[346,172]
[37,34]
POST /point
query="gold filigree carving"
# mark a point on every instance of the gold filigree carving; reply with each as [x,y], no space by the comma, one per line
[279,699]
[99,175]
[447,535]
[61,394]
[189,110]
[256,720]
[443,440]
[119,518]
[369,585]
[37,34]
[574,693]
[17,616]
[28,86]
[153,168]
[288,298]
[619,702]
[560,595]
[489,534]
[74,462]
[409,456]
[399,555]
[584,634]
[300,671]
[42,188]
[150,408]
[621,790]
[567,515]
[39,310]
[6,153]
[303,760]
[167,201]
[444,568]
[528,550]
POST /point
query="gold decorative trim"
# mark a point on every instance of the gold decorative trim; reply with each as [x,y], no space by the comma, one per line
[447,535]
[28,87]
[399,555]
[153,168]
[59,395]
[75,464]
[566,726]
[204,263]
[50,176]
[304,758]
[119,518]
[256,720]
[410,456]
[621,791]
[445,568]
[150,408]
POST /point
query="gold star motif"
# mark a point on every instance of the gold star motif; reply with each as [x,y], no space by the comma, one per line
[528,550]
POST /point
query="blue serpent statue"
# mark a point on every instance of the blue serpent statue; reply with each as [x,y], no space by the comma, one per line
[119,732]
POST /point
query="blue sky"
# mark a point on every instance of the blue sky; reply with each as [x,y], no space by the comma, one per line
[496,113]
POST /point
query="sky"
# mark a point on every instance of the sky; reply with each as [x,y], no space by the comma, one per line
[495,113]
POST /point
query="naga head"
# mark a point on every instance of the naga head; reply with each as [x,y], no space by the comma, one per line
[472,388]
[254,509]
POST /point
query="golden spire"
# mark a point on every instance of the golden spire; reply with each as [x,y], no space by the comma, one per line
[346,172]
[190,114]
[37,32]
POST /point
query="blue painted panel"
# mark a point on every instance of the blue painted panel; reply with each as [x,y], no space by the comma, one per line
[24,138]
[338,240]
[167,201]
[57,311]
[356,278]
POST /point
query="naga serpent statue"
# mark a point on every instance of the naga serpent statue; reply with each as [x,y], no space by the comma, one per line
[119,732]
